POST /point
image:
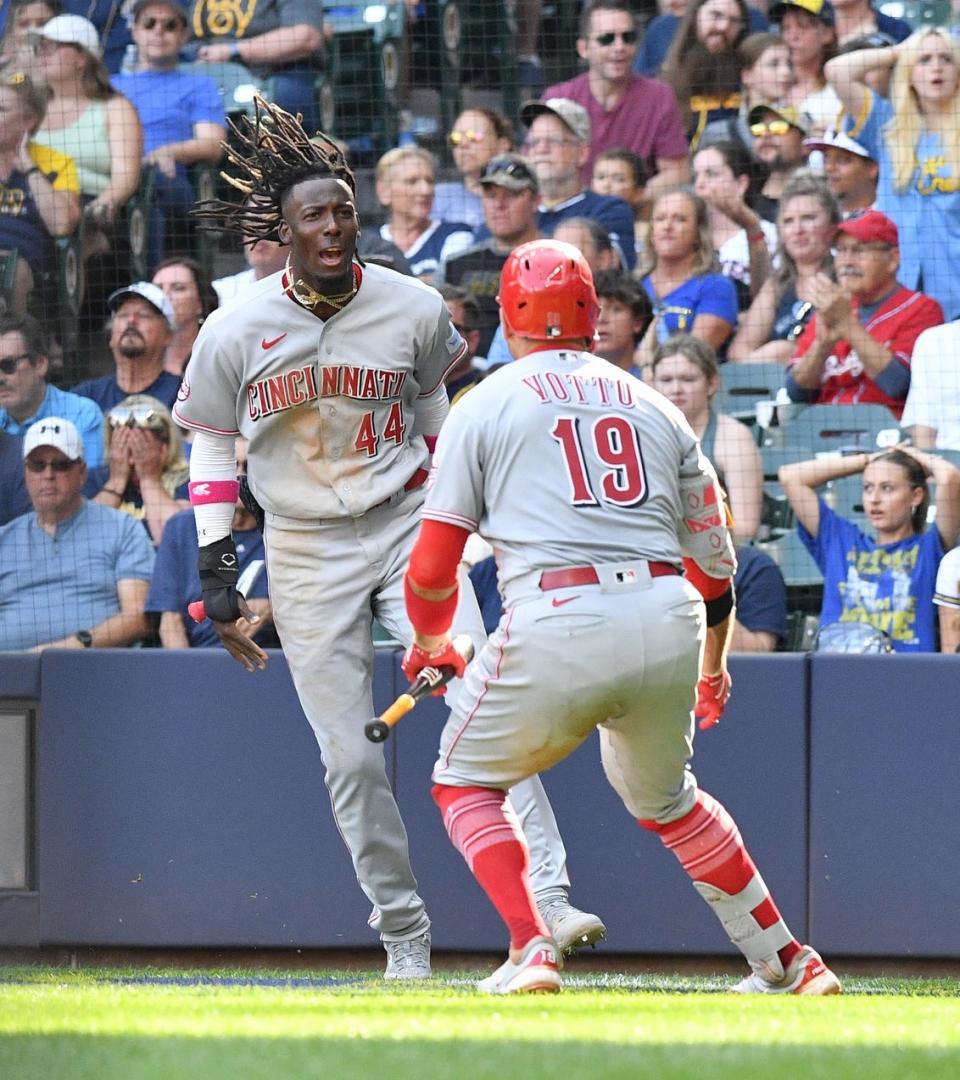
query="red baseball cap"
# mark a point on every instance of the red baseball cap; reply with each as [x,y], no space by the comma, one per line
[871,227]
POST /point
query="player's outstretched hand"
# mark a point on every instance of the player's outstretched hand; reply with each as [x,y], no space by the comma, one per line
[242,648]
[712,694]
[415,659]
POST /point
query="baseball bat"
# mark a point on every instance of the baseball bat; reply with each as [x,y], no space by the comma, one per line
[429,679]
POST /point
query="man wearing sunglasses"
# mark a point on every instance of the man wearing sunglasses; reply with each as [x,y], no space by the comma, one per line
[25,394]
[182,114]
[141,324]
[778,143]
[73,574]
[627,111]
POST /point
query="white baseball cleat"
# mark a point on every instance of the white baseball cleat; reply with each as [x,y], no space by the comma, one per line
[537,971]
[570,927]
[808,974]
[408,959]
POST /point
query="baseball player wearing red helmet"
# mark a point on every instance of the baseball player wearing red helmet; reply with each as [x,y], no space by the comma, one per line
[591,487]
[333,372]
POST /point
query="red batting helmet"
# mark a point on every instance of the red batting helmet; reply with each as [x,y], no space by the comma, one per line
[546,292]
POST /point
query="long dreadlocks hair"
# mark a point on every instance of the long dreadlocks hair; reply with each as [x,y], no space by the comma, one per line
[270,152]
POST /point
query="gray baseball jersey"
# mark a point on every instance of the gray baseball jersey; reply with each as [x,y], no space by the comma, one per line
[327,407]
[563,459]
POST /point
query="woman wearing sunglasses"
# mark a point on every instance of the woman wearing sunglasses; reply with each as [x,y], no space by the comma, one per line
[477,136]
[147,471]
[807,222]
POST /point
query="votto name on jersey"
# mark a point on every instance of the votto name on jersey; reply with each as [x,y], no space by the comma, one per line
[275,393]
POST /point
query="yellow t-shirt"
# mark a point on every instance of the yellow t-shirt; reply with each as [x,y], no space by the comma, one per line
[50,161]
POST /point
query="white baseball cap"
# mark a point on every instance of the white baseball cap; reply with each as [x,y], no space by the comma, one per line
[56,432]
[153,294]
[72,30]
[838,140]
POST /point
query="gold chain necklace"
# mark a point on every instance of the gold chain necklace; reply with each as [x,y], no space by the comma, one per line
[311,299]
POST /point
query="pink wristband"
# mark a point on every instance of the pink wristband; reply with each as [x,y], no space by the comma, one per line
[213,491]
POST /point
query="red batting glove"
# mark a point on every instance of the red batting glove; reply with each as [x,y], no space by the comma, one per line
[416,659]
[712,694]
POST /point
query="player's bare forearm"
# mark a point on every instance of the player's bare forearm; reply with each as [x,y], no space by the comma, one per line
[717,645]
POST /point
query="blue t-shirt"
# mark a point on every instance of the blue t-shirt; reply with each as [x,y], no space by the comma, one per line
[453,202]
[708,294]
[106,393]
[761,592]
[927,211]
[80,411]
[176,583]
[170,103]
[14,499]
[53,586]
[612,213]
[888,586]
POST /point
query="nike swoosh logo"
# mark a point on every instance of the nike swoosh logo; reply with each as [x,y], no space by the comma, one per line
[566,600]
[264,344]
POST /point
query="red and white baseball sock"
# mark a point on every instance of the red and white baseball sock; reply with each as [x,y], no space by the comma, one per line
[488,835]
[708,844]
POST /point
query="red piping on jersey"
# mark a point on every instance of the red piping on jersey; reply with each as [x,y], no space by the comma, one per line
[461,353]
[202,427]
[447,517]
[486,684]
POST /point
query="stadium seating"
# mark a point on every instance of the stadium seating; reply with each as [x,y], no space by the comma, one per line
[360,91]
[837,428]
[743,385]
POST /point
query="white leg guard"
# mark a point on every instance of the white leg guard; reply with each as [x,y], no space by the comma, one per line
[759,946]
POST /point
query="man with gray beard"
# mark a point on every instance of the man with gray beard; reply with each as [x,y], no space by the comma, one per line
[858,345]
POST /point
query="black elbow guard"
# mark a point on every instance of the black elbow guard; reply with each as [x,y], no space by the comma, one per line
[719,608]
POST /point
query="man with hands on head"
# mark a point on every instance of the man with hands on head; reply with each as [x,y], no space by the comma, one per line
[858,345]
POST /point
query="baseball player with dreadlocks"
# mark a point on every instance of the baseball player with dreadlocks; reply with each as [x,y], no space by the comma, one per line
[333,371]
[596,605]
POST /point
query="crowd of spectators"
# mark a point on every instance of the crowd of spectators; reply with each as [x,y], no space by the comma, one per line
[772,185]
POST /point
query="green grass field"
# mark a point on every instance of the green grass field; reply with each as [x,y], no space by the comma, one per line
[165,1024]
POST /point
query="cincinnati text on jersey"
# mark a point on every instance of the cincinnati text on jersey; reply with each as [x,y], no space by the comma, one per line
[275,393]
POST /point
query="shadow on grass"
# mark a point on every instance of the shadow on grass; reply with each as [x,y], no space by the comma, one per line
[179,1058]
